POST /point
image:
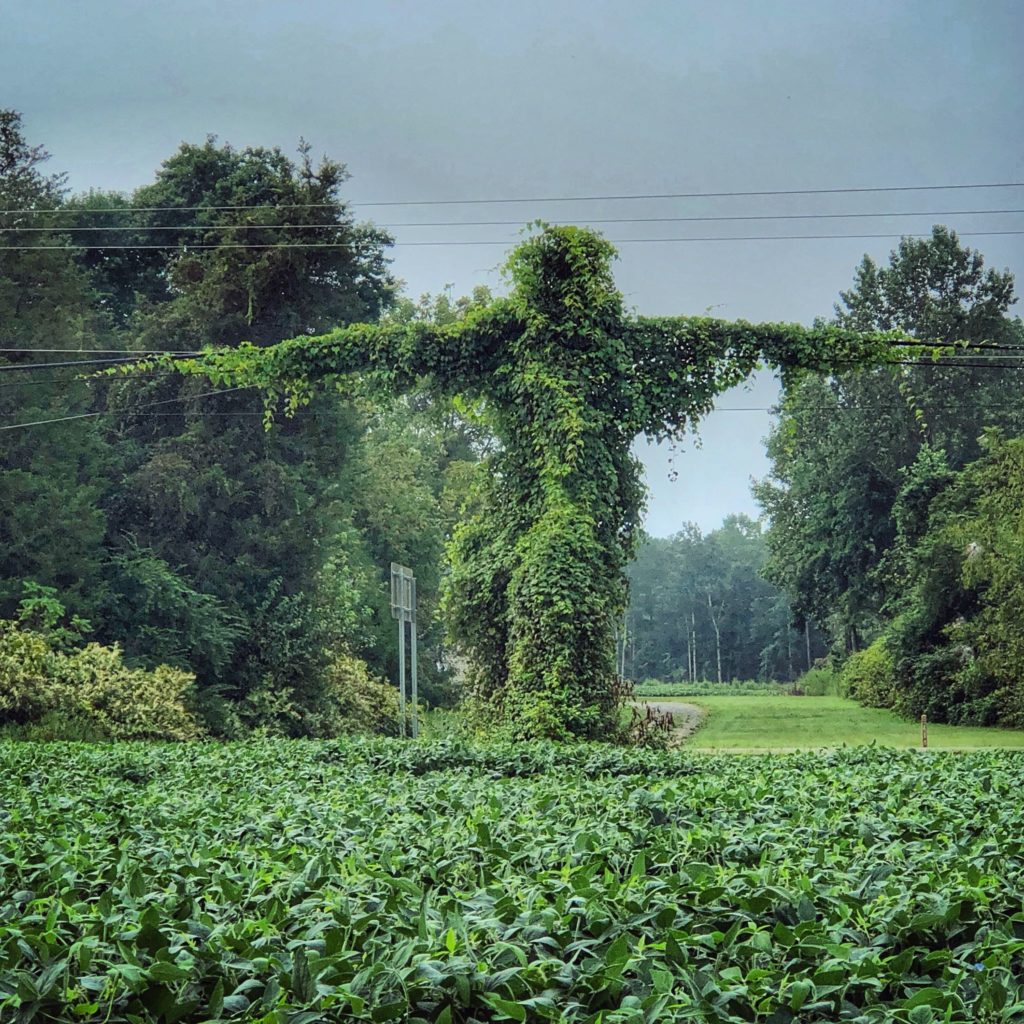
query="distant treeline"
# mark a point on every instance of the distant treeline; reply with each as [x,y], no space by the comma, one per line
[700,609]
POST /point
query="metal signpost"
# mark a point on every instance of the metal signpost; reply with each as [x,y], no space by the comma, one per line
[403,608]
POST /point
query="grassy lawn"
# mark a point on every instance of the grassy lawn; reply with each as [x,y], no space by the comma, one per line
[788,723]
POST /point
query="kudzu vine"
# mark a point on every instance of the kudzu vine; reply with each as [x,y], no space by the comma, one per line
[569,379]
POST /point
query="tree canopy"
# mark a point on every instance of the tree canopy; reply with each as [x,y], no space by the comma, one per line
[167,517]
[843,445]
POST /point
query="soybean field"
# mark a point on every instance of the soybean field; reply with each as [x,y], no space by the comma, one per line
[369,880]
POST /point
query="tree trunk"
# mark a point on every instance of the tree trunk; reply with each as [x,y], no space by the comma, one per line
[625,637]
[789,648]
[693,634]
[718,638]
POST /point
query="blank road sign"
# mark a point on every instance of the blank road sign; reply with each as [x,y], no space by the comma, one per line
[402,592]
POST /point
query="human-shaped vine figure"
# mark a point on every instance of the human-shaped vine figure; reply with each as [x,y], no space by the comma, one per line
[569,379]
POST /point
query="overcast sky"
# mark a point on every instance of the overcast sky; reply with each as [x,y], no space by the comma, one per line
[452,99]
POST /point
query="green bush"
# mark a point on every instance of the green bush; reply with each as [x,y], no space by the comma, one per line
[707,688]
[354,701]
[820,681]
[91,691]
[957,643]
[27,686]
[869,676]
[127,703]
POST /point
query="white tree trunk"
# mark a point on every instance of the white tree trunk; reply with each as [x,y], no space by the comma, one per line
[718,637]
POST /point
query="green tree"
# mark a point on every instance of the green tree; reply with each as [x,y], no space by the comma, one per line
[183,530]
[842,446]
[957,644]
[51,477]
[698,602]
[224,512]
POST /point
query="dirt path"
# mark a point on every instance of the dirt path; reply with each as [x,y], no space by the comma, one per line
[686,718]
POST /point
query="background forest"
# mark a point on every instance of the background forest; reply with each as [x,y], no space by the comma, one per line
[156,522]
[159,514]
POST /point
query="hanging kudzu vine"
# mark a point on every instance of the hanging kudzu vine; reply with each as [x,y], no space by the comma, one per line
[569,379]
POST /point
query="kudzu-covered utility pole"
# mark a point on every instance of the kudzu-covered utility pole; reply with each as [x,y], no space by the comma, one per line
[569,379]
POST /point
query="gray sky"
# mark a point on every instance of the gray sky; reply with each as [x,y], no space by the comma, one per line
[454,99]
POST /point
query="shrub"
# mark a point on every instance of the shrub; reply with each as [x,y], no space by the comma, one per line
[354,701]
[27,684]
[127,703]
[869,676]
[91,689]
[820,681]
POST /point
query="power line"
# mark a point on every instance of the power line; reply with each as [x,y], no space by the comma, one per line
[73,362]
[108,351]
[543,199]
[187,247]
[1004,351]
[698,195]
[108,412]
[506,223]
[899,342]
[67,382]
[661,220]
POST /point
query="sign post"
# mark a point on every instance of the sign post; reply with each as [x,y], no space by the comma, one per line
[403,608]
[415,666]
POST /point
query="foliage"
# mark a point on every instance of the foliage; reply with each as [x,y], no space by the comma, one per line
[843,447]
[220,534]
[168,620]
[127,704]
[92,687]
[369,881]
[821,681]
[957,644]
[51,518]
[869,676]
[184,532]
[28,687]
[698,605]
[355,701]
[707,688]
[569,380]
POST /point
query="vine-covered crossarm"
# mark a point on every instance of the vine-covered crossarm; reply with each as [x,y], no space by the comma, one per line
[682,364]
[389,357]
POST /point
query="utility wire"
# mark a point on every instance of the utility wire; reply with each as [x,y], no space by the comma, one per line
[1003,353]
[971,347]
[506,223]
[189,247]
[73,362]
[109,412]
[67,382]
[544,199]
[109,351]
